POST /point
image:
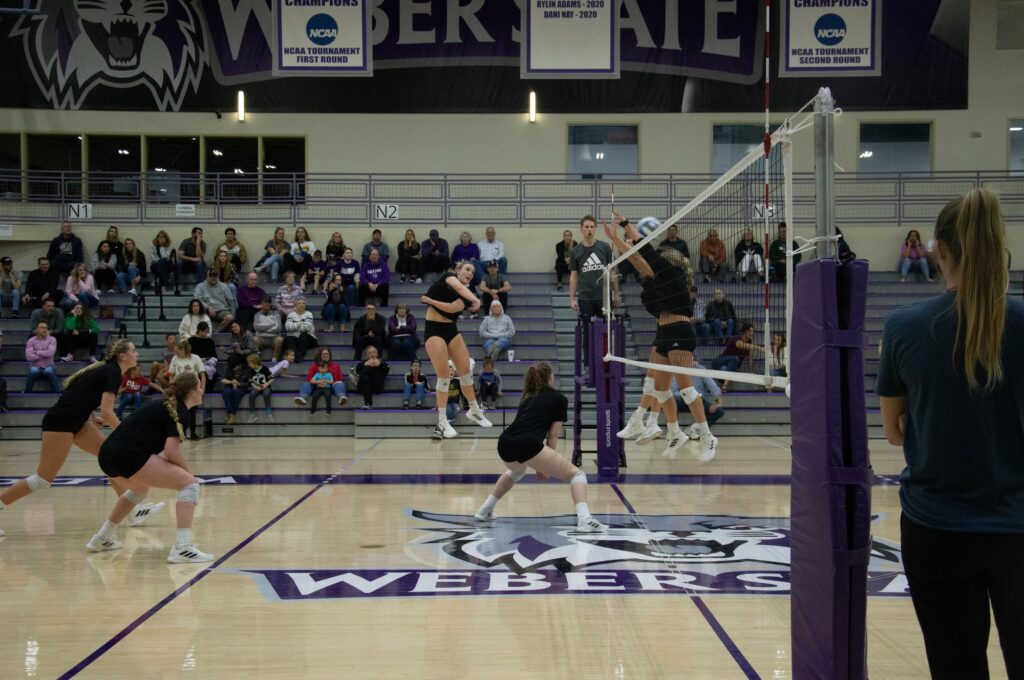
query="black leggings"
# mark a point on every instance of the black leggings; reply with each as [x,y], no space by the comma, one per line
[953,578]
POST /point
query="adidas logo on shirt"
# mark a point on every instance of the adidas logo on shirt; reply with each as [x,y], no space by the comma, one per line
[592,264]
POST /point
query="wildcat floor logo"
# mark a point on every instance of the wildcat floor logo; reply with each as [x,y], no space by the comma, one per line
[682,554]
[73,46]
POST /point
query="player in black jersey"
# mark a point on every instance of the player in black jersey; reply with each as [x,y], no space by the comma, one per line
[72,421]
[530,441]
[446,299]
[666,281]
[145,452]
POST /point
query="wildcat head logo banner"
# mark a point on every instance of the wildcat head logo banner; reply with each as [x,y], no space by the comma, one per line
[73,46]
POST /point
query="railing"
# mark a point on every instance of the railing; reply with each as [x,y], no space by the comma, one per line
[459,199]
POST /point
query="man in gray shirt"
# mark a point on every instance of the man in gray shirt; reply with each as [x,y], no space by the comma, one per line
[586,269]
[51,315]
[217,298]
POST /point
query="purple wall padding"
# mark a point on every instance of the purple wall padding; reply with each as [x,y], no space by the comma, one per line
[831,481]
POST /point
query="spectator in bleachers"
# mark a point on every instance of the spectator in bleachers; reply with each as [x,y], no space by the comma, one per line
[226,272]
[260,386]
[192,256]
[563,256]
[66,250]
[777,256]
[246,341]
[159,374]
[467,251]
[132,268]
[249,298]
[104,267]
[434,254]
[195,315]
[778,356]
[217,298]
[284,299]
[349,270]
[300,254]
[749,256]
[719,317]
[39,352]
[377,244]
[415,382]
[234,387]
[114,239]
[335,310]
[50,314]
[673,241]
[273,255]
[130,394]
[709,392]
[80,332]
[370,375]
[374,279]
[335,385]
[182,362]
[204,348]
[162,258]
[497,331]
[369,329]
[234,248]
[914,257]
[712,257]
[491,249]
[335,248]
[43,284]
[490,384]
[402,340]
[409,260]
[318,272]
[10,286]
[737,350]
[80,288]
[494,286]
[268,325]
[300,330]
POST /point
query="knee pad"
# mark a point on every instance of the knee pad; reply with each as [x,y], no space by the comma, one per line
[579,478]
[133,497]
[35,483]
[689,395]
[662,395]
[443,384]
[648,387]
[515,476]
[466,380]
[189,494]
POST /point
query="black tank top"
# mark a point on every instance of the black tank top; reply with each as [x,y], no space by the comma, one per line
[666,291]
[442,292]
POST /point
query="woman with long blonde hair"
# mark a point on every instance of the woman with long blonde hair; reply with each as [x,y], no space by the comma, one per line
[72,421]
[146,452]
[951,388]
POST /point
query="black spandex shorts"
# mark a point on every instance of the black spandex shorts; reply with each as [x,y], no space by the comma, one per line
[518,449]
[59,424]
[439,329]
[123,463]
[674,337]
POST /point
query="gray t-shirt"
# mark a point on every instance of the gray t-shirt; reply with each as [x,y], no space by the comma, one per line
[589,263]
[964,450]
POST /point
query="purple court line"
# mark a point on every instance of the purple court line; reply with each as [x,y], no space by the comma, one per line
[734,651]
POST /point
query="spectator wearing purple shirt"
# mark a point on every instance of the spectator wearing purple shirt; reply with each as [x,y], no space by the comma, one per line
[434,253]
[467,251]
[374,278]
[250,297]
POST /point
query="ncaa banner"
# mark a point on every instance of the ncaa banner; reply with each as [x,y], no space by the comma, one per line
[322,38]
[831,38]
[570,39]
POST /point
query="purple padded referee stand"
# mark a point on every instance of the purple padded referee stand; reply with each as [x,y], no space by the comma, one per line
[831,482]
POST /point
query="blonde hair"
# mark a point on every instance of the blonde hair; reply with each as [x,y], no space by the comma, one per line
[176,392]
[253,360]
[114,349]
[537,378]
[677,259]
[973,230]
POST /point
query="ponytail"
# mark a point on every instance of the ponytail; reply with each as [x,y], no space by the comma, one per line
[972,228]
[537,378]
[176,392]
[114,350]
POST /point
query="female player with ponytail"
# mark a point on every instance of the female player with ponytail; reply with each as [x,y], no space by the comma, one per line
[71,421]
[145,452]
[530,441]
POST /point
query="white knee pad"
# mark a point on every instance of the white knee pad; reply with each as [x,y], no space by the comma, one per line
[443,384]
[579,478]
[133,497]
[466,380]
[662,395]
[35,483]
[689,395]
[190,494]
[648,387]
[515,476]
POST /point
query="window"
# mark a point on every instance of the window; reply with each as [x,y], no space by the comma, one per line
[730,143]
[172,169]
[232,166]
[895,147]
[284,168]
[114,166]
[1017,146]
[603,151]
[10,165]
[56,164]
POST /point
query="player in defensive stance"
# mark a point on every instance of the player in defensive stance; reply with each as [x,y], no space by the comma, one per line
[666,280]
[71,421]
[131,456]
[530,441]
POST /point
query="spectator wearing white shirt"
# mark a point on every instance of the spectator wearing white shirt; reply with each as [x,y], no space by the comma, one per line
[301,253]
[301,332]
[491,249]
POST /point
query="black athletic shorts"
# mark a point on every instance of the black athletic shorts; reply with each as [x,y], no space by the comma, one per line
[123,463]
[58,424]
[518,449]
[675,336]
[439,329]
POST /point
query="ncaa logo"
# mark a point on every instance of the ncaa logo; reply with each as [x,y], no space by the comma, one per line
[322,29]
[830,29]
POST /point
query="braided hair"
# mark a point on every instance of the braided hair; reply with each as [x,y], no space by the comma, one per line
[114,349]
[176,392]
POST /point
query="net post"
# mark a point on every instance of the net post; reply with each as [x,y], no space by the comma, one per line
[610,386]
[824,167]
[577,401]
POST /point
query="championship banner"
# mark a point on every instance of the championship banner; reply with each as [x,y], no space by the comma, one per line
[570,39]
[831,38]
[322,38]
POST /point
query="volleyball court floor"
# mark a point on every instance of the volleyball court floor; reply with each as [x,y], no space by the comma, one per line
[343,558]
